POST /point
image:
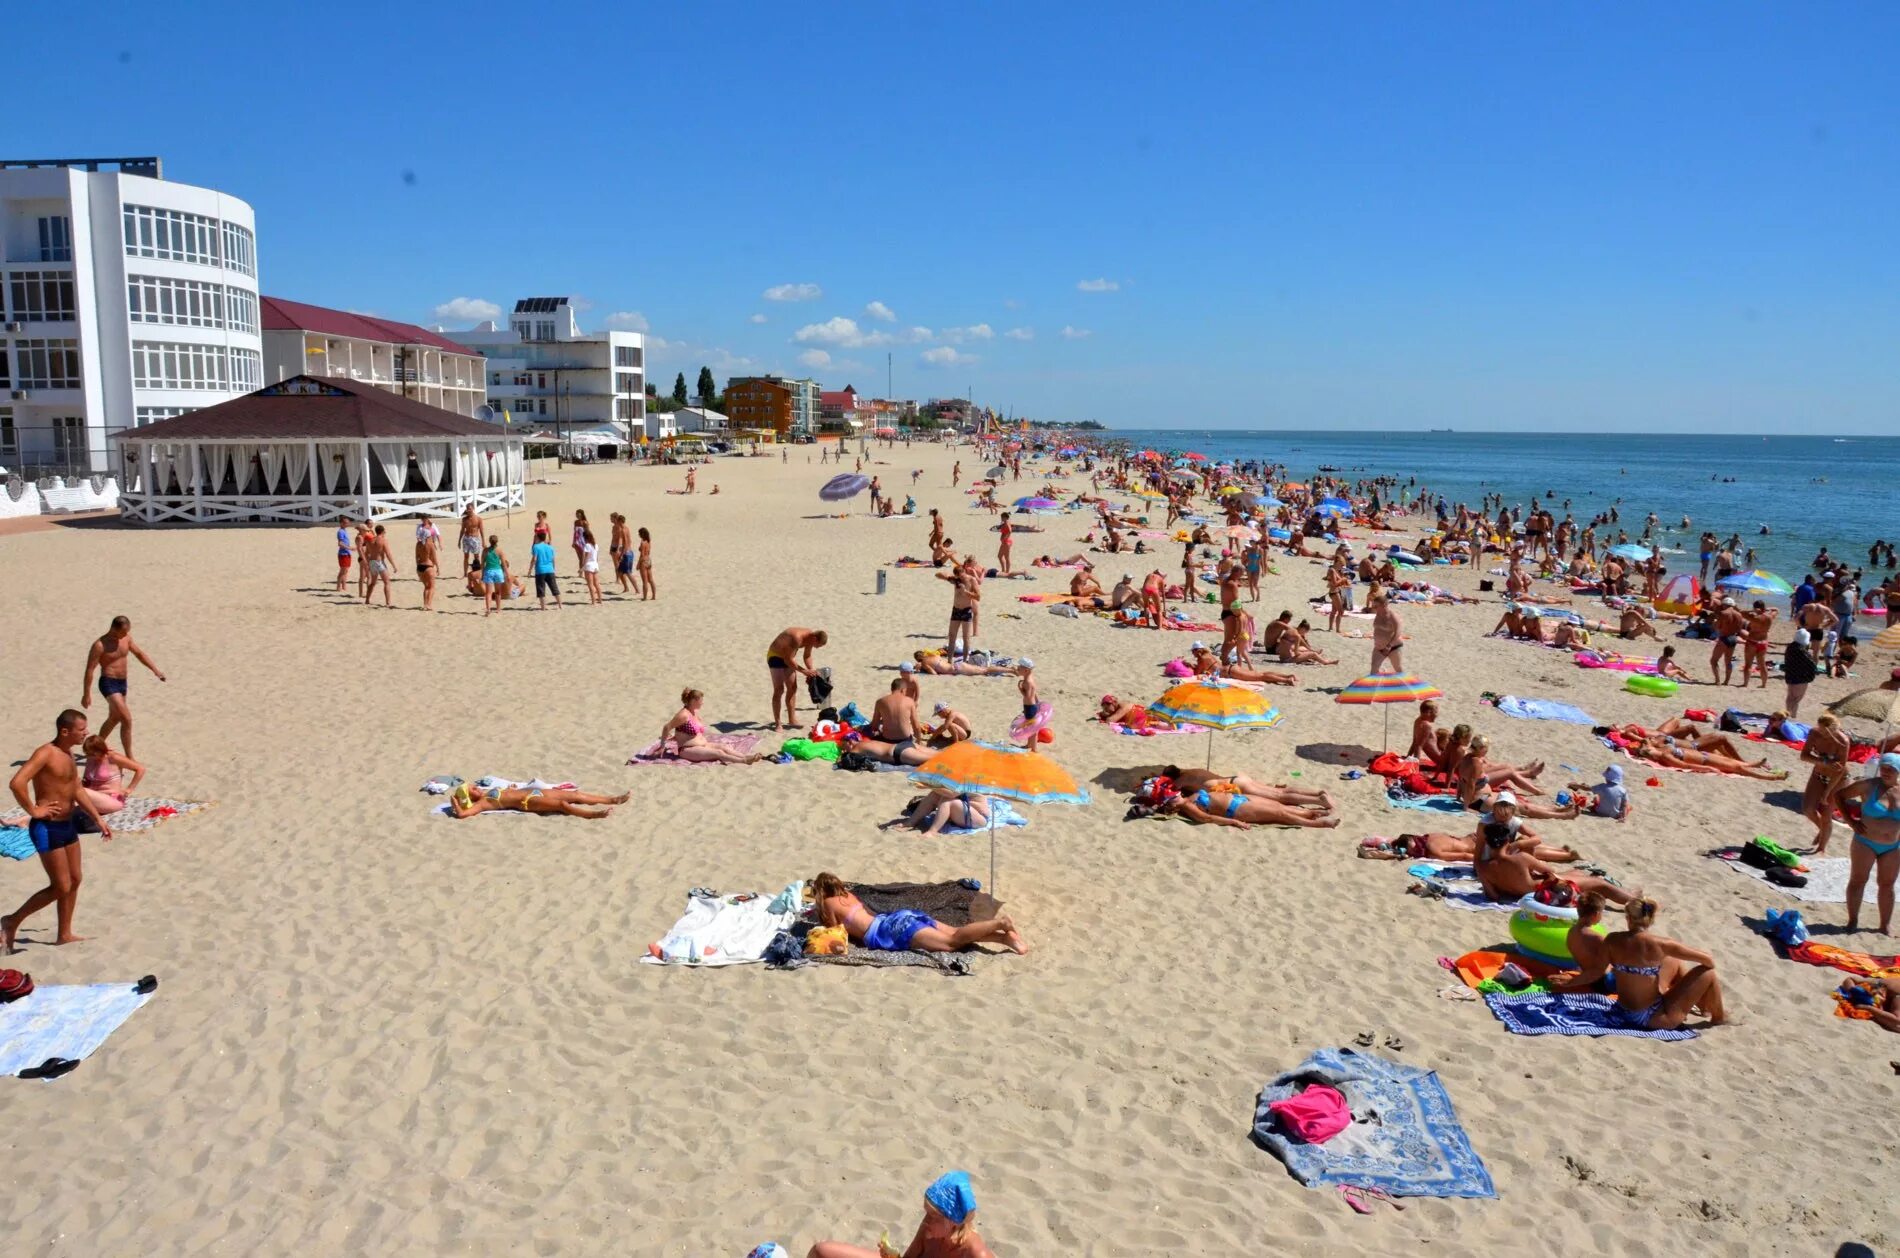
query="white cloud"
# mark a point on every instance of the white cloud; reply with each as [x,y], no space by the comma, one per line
[815,358]
[757,318]
[466,308]
[976,332]
[840,332]
[946,356]
[794,292]
[878,310]
[665,357]
[625,321]
[1075,334]
[1021,334]
[1098,286]
[1010,303]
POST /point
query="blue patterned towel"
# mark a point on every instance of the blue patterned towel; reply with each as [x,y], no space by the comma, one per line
[1002,812]
[1544,710]
[1425,803]
[66,1022]
[15,843]
[1570,1013]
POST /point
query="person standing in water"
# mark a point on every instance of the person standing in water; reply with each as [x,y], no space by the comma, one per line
[108,657]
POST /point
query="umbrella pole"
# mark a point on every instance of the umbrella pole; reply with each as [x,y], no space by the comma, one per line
[1210,746]
[993,886]
[1385,739]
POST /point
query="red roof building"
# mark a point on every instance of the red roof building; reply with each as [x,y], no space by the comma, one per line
[414,362]
[838,404]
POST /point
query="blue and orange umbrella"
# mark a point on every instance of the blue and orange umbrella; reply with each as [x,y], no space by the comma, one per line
[1214,704]
[975,767]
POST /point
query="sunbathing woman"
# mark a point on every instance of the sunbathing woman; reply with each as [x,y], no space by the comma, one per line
[1295,649]
[1679,730]
[104,780]
[687,733]
[940,666]
[1439,846]
[1241,811]
[1660,982]
[1477,775]
[1667,751]
[905,930]
[932,812]
[467,801]
[1245,672]
[1132,715]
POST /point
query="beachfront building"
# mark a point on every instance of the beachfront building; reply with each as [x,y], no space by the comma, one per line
[787,408]
[305,340]
[543,371]
[127,299]
[310,449]
[699,419]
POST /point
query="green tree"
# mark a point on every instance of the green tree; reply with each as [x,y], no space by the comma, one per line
[679,389]
[707,389]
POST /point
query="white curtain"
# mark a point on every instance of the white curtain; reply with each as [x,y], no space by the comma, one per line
[513,464]
[270,458]
[337,465]
[297,463]
[393,456]
[431,458]
[484,466]
[244,466]
[131,480]
[464,468]
[187,463]
[217,462]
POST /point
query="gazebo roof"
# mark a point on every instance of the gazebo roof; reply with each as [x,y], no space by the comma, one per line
[317,408]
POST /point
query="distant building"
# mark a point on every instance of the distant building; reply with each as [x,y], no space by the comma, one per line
[839,404]
[543,370]
[127,299]
[302,340]
[699,419]
[787,407]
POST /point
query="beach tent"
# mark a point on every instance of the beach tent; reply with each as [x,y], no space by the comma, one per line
[1680,595]
[313,448]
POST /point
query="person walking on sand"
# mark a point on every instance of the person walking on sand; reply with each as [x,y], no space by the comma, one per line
[470,540]
[381,563]
[342,552]
[590,566]
[541,565]
[1388,635]
[620,547]
[53,776]
[1002,547]
[781,662]
[645,567]
[108,656]
[428,559]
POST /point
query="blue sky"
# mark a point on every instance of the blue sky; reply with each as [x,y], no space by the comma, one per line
[1369,215]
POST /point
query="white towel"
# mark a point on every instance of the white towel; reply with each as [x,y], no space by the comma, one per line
[715,930]
[63,1021]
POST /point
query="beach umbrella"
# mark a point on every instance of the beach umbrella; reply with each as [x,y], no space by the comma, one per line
[1680,594]
[1756,582]
[1036,504]
[1630,550]
[848,485]
[1337,504]
[1888,638]
[1214,704]
[1388,688]
[975,767]
[1194,456]
[1871,704]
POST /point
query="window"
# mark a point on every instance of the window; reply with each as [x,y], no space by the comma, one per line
[185,303]
[544,330]
[152,414]
[169,365]
[627,356]
[247,369]
[9,436]
[171,234]
[42,298]
[241,310]
[47,364]
[56,238]
[69,439]
[6,376]
[240,249]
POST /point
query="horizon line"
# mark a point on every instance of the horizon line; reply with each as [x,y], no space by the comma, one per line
[1509,432]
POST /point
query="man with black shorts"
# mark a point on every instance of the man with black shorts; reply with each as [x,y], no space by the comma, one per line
[108,655]
[780,661]
[51,810]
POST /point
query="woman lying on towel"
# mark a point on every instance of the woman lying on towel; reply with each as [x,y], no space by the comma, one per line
[1659,982]
[1199,779]
[1673,753]
[1207,664]
[905,930]
[1231,807]
[931,813]
[1132,715]
[687,733]
[938,665]
[1439,846]
[467,801]
[1679,731]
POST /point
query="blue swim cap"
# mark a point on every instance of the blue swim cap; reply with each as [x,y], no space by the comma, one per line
[951,1196]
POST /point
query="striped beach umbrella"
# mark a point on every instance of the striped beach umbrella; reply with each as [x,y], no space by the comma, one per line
[1756,582]
[975,767]
[1888,638]
[1388,688]
[1214,704]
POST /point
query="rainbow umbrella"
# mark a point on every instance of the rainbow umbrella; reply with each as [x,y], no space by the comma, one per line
[1388,688]
[1756,582]
[1214,704]
[975,767]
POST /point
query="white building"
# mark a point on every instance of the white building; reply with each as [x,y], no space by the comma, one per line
[128,299]
[699,419]
[544,371]
[301,339]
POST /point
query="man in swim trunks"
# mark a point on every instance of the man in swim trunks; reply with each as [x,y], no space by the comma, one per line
[108,655]
[893,730]
[1755,656]
[1729,625]
[1507,873]
[1388,636]
[470,540]
[380,563]
[342,552]
[962,607]
[905,930]
[780,661]
[51,809]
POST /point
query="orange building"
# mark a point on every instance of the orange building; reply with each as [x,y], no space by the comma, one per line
[784,406]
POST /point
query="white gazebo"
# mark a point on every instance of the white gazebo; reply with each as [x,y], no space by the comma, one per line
[310,449]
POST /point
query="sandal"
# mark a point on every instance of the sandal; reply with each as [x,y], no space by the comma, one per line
[1393,1042]
[1363,1039]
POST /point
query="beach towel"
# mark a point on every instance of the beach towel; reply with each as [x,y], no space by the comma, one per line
[1002,813]
[1612,660]
[1544,710]
[15,843]
[658,753]
[1475,969]
[141,813]
[1424,803]
[1405,1136]
[1826,875]
[67,1021]
[1460,886]
[1116,726]
[721,930]
[950,903]
[1571,1013]
[1865,964]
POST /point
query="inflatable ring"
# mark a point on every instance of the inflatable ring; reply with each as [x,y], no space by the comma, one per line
[1405,556]
[1540,933]
[1650,684]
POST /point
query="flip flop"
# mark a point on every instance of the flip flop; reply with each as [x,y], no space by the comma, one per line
[1393,1042]
[1363,1039]
[1351,1194]
[51,1068]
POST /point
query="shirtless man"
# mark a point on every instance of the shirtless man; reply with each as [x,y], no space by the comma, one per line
[1507,873]
[785,669]
[1388,636]
[470,539]
[893,735]
[1729,624]
[963,603]
[1634,625]
[1086,591]
[1124,594]
[378,562]
[1424,734]
[54,779]
[428,559]
[936,529]
[1275,630]
[108,655]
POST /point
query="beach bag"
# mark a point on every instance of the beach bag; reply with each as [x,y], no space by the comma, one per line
[1314,1115]
[818,686]
[855,761]
[1731,722]
[14,984]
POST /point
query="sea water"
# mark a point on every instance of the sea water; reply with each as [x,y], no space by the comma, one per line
[1843,493]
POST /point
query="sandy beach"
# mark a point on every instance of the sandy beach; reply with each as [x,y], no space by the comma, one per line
[381,1031]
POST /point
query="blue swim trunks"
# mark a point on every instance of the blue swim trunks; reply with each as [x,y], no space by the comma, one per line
[892,932]
[50,836]
[112,685]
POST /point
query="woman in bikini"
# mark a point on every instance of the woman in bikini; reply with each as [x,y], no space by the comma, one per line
[905,930]
[1876,846]
[1132,715]
[428,559]
[1827,749]
[1478,776]
[1681,732]
[644,566]
[932,812]
[1295,649]
[1667,751]
[948,1228]
[468,801]
[687,733]
[938,665]
[1236,809]
[1439,846]
[1198,779]
[1659,981]
[104,778]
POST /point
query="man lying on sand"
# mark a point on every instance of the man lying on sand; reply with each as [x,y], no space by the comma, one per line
[905,930]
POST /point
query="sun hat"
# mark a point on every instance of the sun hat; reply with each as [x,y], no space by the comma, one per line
[906,667]
[951,1196]
[1502,798]
[1025,662]
[941,706]
[1890,760]
[1614,775]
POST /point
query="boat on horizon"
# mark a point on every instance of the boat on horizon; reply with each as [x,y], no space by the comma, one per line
[1441,430]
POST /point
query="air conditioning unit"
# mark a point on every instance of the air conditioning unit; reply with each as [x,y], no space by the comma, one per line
[19,395]
[16,327]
